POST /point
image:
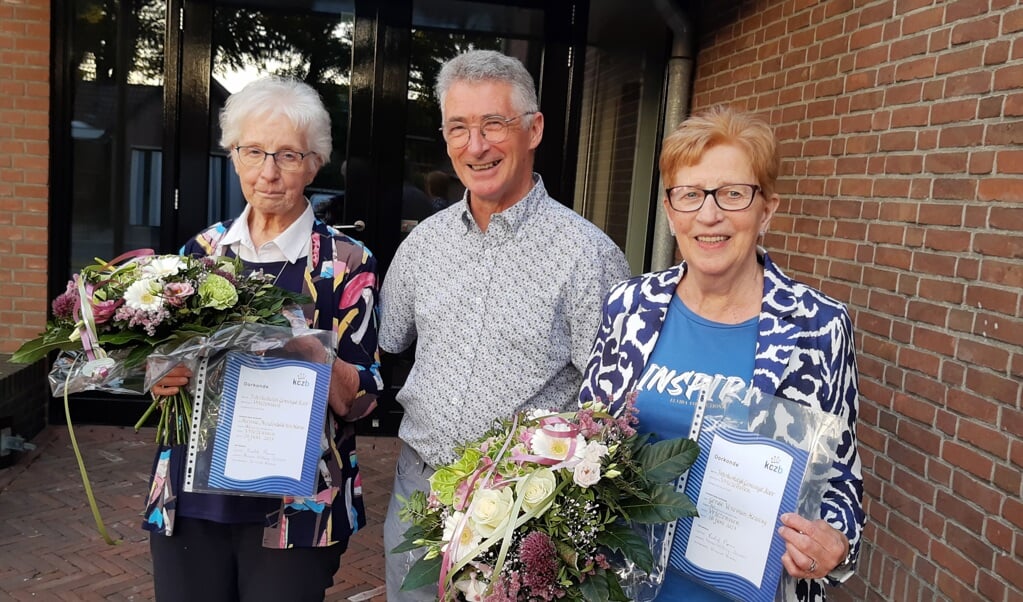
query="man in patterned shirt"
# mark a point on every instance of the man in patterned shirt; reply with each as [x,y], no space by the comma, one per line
[502,290]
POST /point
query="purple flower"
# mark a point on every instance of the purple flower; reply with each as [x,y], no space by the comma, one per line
[148,320]
[539,564]
[588,427]
[506,588]
[65,303]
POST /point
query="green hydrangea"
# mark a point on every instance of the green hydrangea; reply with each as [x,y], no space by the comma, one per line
[217,292]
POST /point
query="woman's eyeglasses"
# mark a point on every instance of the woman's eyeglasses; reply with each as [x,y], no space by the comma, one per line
[730,197]
[286,160]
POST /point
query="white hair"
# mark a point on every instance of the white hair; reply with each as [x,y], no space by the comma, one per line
[270,97]
[490,65]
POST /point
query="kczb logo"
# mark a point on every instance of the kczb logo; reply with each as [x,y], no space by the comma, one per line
[774,465]
[301,380]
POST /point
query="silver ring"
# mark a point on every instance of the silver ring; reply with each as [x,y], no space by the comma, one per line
[813,566]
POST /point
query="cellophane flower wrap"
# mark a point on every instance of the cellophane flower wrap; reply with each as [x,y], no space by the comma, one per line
[114,314]
[544,507]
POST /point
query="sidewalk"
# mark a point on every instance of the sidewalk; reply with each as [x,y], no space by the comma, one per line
[50,549]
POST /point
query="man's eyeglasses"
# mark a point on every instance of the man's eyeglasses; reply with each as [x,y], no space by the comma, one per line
[493,128]
[730,197]
[286,160]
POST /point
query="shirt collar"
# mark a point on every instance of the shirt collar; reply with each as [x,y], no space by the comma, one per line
[513,216]
[290,245]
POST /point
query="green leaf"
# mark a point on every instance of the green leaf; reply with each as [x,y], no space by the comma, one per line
[36,349]
[665,461]
[632,545]
[413,533]
[423,572]
[615,591]
[444,481]
[665,505]
[595,588]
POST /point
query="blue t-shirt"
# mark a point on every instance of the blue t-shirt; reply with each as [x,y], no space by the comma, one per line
[693,357]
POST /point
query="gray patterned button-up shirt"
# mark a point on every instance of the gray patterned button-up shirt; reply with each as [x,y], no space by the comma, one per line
[505,319]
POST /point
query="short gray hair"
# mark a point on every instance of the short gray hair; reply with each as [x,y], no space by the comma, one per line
[285,97]
[489,65]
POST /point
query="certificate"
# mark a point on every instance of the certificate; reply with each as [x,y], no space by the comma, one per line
[269,428]
[741,485]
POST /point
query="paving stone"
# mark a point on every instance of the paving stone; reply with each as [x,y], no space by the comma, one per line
[50,549]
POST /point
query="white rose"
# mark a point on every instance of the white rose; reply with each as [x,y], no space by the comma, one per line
[594,452]
[491,510]
[586,473]
[556,448]
[535,488]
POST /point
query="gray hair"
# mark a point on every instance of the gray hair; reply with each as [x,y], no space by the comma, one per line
[490,65]
[270,97]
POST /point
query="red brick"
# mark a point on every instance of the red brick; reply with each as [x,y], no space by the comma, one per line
[992,298]
[985,437]
[992,385]
[998,533]
[906,47]
[961,136]
[996,53]
[999,245]
[945,163]
[923,20]
[954,111]
[973,31]
[956,189]
[981,162]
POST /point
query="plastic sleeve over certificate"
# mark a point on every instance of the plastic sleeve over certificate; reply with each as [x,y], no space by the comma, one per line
[741,486]
[269,416]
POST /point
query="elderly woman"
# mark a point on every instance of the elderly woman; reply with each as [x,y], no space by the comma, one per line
[728,312]
[223,548]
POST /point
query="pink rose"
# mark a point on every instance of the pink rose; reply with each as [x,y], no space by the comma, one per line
[176,293]
[103,311]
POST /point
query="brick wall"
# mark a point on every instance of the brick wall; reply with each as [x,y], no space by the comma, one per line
[24,156]
[901,125]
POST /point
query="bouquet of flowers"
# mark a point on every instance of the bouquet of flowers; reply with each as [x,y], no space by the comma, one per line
[114,314]
[542,507]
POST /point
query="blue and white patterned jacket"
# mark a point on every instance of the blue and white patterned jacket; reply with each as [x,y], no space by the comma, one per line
[804,353]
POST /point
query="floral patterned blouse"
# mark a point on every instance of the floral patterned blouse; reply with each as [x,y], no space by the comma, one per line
[340,276]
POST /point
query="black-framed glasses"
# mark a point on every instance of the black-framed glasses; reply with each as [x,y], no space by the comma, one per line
[286,160]
[730,197]
[493,128]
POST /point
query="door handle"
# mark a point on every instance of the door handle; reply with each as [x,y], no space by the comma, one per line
[358,226]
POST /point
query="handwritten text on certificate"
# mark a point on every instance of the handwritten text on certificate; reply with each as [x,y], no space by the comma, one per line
[738,504]
[271,423]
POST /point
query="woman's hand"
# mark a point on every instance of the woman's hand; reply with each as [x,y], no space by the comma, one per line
[172,382]
[344,395]
[812,548]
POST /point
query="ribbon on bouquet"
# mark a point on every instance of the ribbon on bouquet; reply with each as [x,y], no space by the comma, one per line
[84,314]
[86,319]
